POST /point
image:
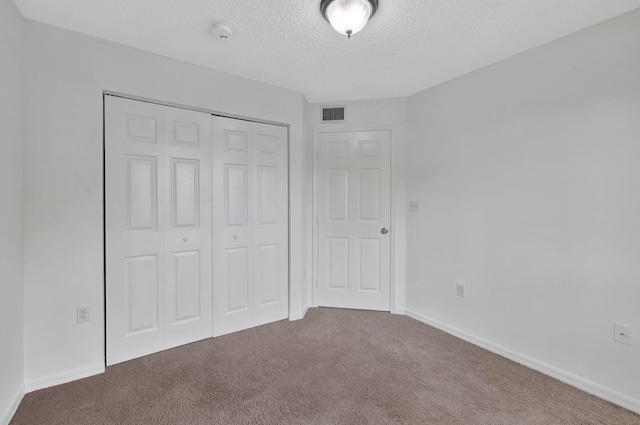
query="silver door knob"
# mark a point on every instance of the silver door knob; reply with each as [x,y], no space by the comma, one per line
[384,230]
[186,239]
[236,236]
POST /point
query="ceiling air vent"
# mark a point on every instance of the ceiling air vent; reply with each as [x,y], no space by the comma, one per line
[333,114]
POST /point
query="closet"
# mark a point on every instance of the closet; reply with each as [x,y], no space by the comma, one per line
[196,226]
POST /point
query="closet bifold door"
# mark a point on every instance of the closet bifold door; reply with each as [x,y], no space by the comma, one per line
[157,227]
[250,224]
[188,242]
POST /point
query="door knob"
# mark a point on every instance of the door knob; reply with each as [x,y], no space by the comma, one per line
[236,236]
[384,230]
[186,239]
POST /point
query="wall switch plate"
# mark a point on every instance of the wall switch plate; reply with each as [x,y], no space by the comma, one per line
[82,314]
[414,206]
[460,290]
[622,333]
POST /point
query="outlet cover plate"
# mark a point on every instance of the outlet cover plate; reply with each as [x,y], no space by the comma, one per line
[622,333]
[460,290]
[414,206]
[82,314]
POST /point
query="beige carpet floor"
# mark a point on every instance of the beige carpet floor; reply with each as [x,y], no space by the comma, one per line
[333,367]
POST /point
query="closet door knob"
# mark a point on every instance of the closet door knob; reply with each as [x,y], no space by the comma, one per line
[236,236]
[186,239]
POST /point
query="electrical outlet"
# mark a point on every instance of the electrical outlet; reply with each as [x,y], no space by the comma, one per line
[460,290]
[83,314]
[414,206]
[622,333]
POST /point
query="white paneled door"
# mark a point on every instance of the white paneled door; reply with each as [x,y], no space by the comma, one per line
[354,217]
[250,220]
[158,227]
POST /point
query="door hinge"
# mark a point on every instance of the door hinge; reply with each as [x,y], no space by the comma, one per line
[316,283]
[317,220]
[317,156]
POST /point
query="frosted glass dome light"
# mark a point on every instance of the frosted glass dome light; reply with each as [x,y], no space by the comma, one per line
[348,16]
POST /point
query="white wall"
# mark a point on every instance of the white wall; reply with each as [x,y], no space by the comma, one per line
[11,137]
[380,114]
[307,163]
[66,73]
[528,175]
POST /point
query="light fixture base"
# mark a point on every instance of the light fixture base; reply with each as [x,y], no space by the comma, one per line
[347,17]
[325,3]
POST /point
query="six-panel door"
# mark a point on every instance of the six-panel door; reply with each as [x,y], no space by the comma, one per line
[158,227]
[354,214]
[250,217]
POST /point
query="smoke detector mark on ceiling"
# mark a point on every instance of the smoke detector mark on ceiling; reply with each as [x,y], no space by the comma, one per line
[222,32]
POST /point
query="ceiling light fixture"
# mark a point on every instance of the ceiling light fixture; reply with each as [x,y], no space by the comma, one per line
[348,16]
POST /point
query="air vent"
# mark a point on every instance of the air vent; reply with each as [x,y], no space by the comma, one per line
[333,114]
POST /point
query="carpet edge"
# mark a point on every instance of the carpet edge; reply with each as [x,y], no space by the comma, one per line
[583,384]
[64,377]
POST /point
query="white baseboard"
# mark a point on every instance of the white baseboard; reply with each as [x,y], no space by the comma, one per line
[64,377]
[559,374]
[400,311]
[299,316]
[11,410]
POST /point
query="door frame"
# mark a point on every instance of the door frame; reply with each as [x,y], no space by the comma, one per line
[113,93]
[316,210]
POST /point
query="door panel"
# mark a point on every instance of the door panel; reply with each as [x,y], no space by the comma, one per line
[267,274]
[250,224]
[185,133]
[338,263]
[157,189]
[238,280]
[142,294]
[338,187]
[369,265]
[236,192]
[268,195]
[185,196]
[232,255]
[354,190]
[188,244]
[369,195]
[141,127]
[187,282]
[142,187]
[134,229]
[235,141]
[270,225]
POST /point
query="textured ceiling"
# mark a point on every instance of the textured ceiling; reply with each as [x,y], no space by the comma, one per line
[408,46]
